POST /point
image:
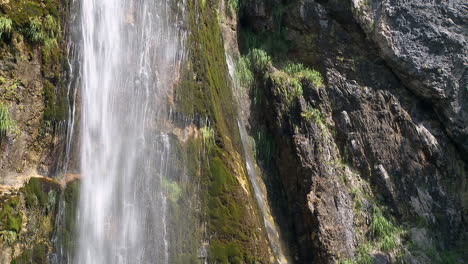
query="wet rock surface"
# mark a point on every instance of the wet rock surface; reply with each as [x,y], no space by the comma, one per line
[395,111]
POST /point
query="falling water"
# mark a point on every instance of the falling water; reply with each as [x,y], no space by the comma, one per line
[273,234]
[130,55]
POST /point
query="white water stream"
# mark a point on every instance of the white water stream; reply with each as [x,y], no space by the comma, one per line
[271,227]
[130,51]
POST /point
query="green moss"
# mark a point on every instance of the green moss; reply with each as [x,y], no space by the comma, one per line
[204,89]
[55,109]
[10,217]
[37,255]
[172,189]
[229,253]
[34,195]
[68,232]
[205,93]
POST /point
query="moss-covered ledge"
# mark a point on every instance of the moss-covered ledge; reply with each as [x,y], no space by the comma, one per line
[234,232]
[28,213]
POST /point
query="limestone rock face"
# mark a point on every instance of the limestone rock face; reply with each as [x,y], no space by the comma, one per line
[425,44]
[392,132]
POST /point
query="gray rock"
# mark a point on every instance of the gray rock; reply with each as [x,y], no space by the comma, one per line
[425,44]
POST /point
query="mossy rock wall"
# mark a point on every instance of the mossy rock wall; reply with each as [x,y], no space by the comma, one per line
[231,229]
[32,89]
[27,219]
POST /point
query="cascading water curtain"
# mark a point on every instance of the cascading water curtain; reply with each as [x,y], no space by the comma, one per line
[130,53]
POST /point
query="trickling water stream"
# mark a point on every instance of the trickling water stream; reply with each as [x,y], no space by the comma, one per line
[130,54]
[271,227]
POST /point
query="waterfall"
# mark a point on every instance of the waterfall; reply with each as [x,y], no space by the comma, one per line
[130,54]
[271,227]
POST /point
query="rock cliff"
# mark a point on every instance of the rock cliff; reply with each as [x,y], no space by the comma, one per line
[372,155]
[356,111]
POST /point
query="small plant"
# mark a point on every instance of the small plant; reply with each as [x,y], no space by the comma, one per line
[6,25]
[232,6]
[357,204]
[298,70]
[6,123]
[384,231]
[208,134]
[8,236]
[35,31]
[312,114]
[172,190]
[51,27]
[243,72]
[259,60]
[42,30]
[363,254]
[296,88]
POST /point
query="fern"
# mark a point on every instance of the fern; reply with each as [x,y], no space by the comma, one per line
[6,25]
[35,32]
[6,123]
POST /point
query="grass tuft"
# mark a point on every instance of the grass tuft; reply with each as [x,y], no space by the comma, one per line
[6,123]
[384,231]
[299,71]
[259,60]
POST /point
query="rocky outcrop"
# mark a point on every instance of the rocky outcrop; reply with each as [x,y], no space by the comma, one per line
[32,87]
[425,44]
[375,145]
[34,108]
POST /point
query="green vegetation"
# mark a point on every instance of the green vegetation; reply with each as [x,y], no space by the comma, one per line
[301,72]
[35,31]
[232,6]
[38,255]
[55,108]
[285,86]
[260,60]
[6,26]
[256,61]
[67,233]
[204,92]
[42,30]
[39,23]
[34,194]
[243,72]
[172,189]
[6,123]
[207,134]
[8,236]
[312,114]
[10,217]
[384,232]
